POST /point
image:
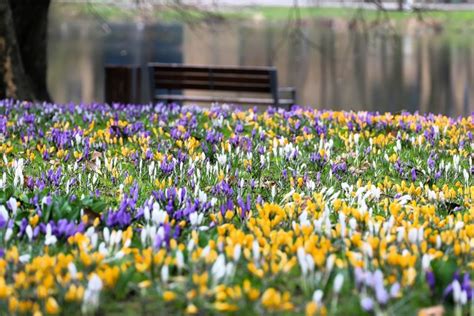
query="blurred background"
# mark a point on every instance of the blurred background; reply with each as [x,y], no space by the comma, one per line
[377,56]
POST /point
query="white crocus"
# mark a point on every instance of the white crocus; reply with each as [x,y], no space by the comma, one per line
[413,235]
[196,219]
[318,296]
[206,251]
[459,225]
[24,258]
[342,222]
[456,160]
[151,169]
[237,252]
[3,181]
[4,213]
[190,245]
[92,294]
[50,239]
[426,262]
[420,234]
[367,250]
[330,263]
[229,269]
[29,232]
[304,219]
[71,267]
[463,297]
[8,234]
[256,250]
[466,176]
[18,179]
[431,195]
[218,269]
[300,253]
[222,159]
[456,291]
[179,259]
[338,282]
[356,139]
[202,197]
[353,223]
[400,234]
[158,215]
[346,187]
[404,199]
[165,273]
[146,213]
[398,146]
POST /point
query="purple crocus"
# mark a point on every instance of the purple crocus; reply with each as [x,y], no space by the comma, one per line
[430,279]
[466,285]
[244,206]
[3,221]
[431,162]
[23,225]
[381,294]
[120,218]
[239,128]
[367,304]
[359,276]
[395,289]
[338,169]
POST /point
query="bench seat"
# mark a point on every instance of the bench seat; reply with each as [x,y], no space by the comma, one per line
[167,78]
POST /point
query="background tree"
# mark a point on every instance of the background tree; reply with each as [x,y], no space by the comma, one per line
[23,45]
[23,40]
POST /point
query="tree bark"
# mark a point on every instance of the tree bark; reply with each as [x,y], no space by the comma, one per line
[23,40]
[400,5]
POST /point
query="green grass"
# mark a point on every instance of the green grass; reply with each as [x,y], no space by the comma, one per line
[266,12]
[278,13]
[451,21]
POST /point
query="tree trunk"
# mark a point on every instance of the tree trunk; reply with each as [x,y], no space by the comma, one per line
[400,5]
[23,40]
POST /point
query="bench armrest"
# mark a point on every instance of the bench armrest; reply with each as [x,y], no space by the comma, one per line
[291,91]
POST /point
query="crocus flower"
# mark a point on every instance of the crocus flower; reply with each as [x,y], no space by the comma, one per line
[92,294]
[3,216]
[338,281]
[466,285]
[430,279]
[367,304]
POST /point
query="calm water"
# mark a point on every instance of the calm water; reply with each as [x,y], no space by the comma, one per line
[331,67]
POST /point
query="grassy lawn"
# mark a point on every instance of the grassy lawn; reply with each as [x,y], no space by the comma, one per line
[278,13]
[451,21]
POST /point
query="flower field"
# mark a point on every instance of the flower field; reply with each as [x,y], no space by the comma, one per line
[151,210]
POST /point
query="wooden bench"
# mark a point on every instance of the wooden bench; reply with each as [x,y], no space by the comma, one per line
[258,80]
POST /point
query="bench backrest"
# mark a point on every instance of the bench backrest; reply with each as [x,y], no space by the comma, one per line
[214,78]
